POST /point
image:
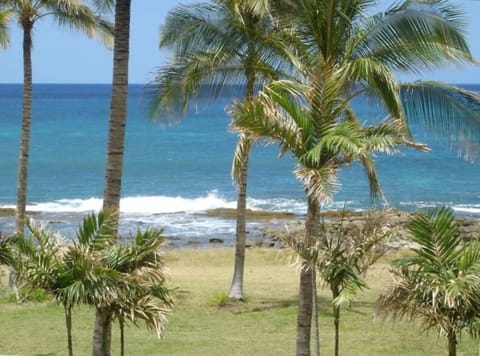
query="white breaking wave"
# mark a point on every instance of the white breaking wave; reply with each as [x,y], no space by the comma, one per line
[467,209]
[136,205]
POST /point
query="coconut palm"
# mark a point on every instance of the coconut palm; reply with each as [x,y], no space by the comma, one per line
[118,105]
[68,13]
[440,282]
[347,54]
[116,136]
[220,45]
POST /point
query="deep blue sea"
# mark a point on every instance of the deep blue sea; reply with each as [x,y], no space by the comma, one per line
[174,173]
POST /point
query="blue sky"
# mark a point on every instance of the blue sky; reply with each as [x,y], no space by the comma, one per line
[64,56]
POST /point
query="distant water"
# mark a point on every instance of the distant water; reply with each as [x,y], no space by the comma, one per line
[173,174]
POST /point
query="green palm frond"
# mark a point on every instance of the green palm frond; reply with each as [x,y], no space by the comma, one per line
[446,111]
[440,283]
[414,35]
[97,230]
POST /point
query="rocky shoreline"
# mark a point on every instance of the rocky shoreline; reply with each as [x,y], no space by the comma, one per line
[393,220]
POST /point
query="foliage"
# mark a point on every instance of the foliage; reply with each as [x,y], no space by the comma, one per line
[125,280]
[440,282]
[341,256]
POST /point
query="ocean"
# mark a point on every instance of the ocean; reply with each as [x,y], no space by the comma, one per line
[175,173]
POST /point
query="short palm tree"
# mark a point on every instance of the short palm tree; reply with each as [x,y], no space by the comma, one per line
[341,256]
[346,53]
[68,13]
[144,295]
[218,45]
[439,282]
[70,272]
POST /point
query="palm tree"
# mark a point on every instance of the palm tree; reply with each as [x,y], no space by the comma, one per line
[144,296]
[440,282]
[4,18]
[68,13]
[118,105]
[340,257]
[345,54]
[116,138]
[222,44]
[70,272]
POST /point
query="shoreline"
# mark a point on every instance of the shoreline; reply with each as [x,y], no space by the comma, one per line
[263,227]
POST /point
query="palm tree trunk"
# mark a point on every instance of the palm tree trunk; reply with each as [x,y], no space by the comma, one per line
[236,289]
[102,333]
[116,133]
[315,312]
[118,108]
[68,323]
[26,127]
[304,317]
[452,343]
[122,337]
[336,320]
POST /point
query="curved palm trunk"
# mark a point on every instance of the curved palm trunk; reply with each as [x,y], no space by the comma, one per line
[26,127]
[304,317]
[102,338]
[236,289]
[115,148]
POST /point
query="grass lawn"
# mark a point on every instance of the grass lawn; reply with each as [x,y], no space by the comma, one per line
[263,325]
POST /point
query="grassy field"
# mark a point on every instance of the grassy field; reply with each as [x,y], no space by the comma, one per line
[263,325]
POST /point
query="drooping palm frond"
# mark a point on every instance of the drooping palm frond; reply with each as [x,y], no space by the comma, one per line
[413,36]
[5,16]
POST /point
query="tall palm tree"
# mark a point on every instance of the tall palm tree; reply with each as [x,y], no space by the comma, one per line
[346,54]
[440,282]
[116,138]
[68,13]
[218,45]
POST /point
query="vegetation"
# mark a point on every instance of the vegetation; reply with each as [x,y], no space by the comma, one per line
[341,257]
[218,44]
[69,13]
[266,320]
[342,54]
[122,282]
[440,282]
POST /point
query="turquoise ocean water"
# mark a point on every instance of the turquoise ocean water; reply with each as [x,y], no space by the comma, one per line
[173,174]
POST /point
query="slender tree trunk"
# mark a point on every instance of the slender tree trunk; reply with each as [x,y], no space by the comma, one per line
[68,323]
[122,337]
[102,339]
[304,317]
[26,127]
[116,142]
[336,320]
[452,343]
[315,312]
[236,289]
[118,108]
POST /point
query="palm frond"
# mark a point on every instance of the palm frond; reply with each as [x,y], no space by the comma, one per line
[446,111]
